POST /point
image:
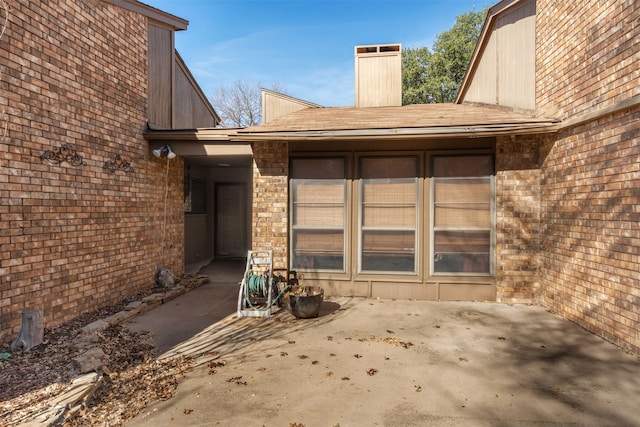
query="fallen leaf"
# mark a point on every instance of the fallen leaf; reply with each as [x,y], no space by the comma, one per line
[328,374]
[315,362]
[291,342]
[187,411]
[390,332]
[261,369]
[502,338]
[330,338]
[345,378]
[463,359]
[372,371]
[303,356]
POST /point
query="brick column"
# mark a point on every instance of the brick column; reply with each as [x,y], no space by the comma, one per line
[270,211]
[517,219]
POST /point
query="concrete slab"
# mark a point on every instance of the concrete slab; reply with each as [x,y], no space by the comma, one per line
[389,363]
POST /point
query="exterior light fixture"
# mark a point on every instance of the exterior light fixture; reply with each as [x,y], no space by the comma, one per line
[158,152]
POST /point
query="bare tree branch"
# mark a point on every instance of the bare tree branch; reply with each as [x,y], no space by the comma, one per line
[239,105]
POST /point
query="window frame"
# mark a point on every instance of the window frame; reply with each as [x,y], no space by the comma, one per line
[358,227]
[432,229]
[293,228]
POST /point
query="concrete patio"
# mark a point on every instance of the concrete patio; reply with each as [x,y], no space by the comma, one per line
[388,363]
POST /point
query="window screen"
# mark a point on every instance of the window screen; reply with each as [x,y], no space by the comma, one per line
[388,214]
[462,197]
[318,214]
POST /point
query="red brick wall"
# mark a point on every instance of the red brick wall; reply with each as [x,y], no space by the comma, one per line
[587,55]
[270,209]
[587,59]
[591,217]
[76,238]
[517,219]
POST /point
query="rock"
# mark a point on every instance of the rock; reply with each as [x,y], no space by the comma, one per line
[119,317]
[133,305]
[90,361]
[98,325]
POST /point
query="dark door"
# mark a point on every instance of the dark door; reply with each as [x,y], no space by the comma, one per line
[230,220]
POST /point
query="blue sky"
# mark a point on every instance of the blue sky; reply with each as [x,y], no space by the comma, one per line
[305,46]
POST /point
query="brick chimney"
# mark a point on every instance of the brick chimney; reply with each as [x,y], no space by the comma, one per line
[378,75]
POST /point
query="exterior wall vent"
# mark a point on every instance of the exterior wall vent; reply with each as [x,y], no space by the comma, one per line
[378,77]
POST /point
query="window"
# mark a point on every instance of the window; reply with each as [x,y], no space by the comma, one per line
[318,214]
[195,195]
[388,214]
[462,206]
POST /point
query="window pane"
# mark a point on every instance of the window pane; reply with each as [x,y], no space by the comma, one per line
[388,250]
[462,251]
[462,202]
[320,168]
[318,249]
[389,202]
[318,203]
[388,167]
[198,196]
[318,212]
[462,166]
[462,206]
[388,208]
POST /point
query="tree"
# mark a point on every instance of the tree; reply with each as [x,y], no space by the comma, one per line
[240,104]
[439,73]
[415,63]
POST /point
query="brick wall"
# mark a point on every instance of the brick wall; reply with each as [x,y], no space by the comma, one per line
[591,217]
[517,219]
[76,238]
[270,210]
[587,55]
[587,59]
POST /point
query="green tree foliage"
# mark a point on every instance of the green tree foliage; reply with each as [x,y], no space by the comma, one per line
[435,76]
[415,64]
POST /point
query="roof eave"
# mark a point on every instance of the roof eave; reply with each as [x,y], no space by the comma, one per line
[153,13]
[471,131]
[201,134]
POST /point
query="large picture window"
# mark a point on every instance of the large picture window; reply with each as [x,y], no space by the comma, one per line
[318,214]
[462,206]
[388,214]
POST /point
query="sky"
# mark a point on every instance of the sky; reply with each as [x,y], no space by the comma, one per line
[305,47]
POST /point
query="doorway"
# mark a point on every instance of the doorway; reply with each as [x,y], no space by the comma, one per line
[230,219]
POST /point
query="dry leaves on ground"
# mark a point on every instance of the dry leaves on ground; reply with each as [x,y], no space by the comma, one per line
[134,377]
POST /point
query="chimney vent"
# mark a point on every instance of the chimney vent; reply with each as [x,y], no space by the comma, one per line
[378,75]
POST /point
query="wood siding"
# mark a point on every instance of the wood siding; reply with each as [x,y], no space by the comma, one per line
[276,105]
[505,73]
[160,76]
[378,76]
[192,109]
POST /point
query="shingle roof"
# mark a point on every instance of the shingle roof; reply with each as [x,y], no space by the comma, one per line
[408,120]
